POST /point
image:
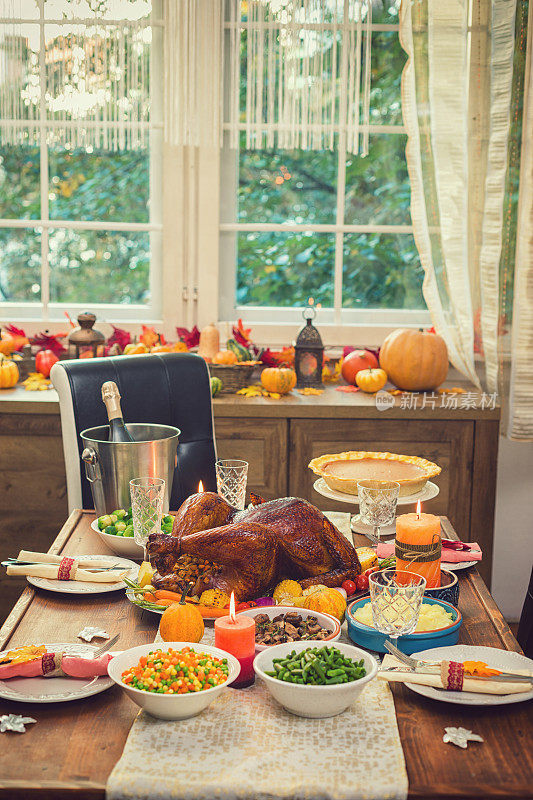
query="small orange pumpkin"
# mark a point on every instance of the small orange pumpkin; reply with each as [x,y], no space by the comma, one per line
[9,373]
[161,348]
[181,622]
[135,349]
[180,347]
[224,357]
[371,380]
[278,379]
[328,601]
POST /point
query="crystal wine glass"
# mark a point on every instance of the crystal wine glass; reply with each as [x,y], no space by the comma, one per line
[377,504]
[396,597]
[147,495]
[232,476]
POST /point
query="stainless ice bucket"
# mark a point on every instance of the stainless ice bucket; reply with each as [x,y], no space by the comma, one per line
[109,466]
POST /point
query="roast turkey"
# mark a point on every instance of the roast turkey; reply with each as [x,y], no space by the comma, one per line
[255,548]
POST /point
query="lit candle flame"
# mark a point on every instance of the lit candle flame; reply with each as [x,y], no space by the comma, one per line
[418,508]
[200,487]
[232,607]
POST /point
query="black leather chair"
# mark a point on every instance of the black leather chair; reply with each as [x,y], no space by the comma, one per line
[169,389]
[525,626]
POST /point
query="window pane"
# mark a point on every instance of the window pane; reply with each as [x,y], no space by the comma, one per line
[388,59]
[292,186]
[20,265]
[284,269]
[20,191]
[378,191]
[381,271]
[87,184]
[386,12]
[99,266]
[88,9]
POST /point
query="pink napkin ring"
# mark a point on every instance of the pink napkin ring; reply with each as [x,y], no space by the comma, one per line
[51,665]
[452,675]
[65,568]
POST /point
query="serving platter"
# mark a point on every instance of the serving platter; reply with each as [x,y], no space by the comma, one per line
[86,587]
[499,659]
[55,690]
[429,491]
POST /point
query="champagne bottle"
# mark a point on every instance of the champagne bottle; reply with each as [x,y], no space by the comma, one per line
[111,397]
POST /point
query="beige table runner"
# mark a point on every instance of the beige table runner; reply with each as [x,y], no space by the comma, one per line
[247,747]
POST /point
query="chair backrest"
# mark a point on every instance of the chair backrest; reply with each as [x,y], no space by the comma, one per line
[168,388]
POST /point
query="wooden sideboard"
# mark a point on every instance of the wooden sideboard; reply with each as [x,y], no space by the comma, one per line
[278,438]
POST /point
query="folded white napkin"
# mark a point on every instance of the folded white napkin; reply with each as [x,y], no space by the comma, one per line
[435,679]
[64,568]
[49,558]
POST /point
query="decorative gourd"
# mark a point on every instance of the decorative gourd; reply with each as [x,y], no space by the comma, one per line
[224,357]
[9,373]
[161,348]
[242,352]
[216,386]
[181,622]
[278,379]
[135,349]
[180,347]
[371,380]
[326,600]
[286,591]
[416,361]
[209,344]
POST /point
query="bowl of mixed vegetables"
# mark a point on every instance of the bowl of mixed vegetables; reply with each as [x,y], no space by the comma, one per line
[173,680]
[116,530]
[315,678]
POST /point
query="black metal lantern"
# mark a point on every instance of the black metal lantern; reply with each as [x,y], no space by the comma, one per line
[308,354]
[84,338]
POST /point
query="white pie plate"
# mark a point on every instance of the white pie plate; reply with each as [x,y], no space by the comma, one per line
[55,690]
[499,659]
[85,587]
[429,491]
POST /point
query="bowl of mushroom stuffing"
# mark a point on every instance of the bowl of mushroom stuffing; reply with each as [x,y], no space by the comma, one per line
[282,624]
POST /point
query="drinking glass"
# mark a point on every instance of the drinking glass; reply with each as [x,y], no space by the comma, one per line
[232,475]
[147,495]
[377,504]
[396,597]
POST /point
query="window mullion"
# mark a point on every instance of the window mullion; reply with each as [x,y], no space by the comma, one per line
[45,266]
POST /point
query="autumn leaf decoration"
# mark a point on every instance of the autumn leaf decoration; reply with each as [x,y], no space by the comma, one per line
[49,341]
[190,337]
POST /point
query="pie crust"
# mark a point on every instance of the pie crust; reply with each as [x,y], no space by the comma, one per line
[411,472]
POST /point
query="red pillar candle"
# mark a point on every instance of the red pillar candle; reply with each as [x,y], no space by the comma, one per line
[236,635]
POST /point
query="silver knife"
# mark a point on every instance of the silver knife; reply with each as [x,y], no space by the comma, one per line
[504,677]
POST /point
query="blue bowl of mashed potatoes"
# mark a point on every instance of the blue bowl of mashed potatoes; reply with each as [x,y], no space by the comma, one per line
[438,626]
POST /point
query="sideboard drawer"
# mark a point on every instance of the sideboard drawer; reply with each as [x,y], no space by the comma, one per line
[261,442]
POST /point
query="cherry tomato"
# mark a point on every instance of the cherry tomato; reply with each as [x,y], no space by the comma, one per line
[370,570]
[349,587]
[362,582]
[242,606]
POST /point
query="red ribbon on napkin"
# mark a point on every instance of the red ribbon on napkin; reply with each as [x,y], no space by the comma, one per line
[386,549]
[51,665]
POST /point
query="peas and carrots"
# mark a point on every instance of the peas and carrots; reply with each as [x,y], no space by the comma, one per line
[177,672]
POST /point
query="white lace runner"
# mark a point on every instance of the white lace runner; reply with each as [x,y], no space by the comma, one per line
[247,746]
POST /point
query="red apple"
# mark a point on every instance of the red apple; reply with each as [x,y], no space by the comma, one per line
[356,361]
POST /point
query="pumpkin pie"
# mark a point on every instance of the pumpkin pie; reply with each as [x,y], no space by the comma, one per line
[341,471]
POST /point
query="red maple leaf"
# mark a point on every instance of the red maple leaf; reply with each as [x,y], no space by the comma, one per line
[191,338]
[49,341]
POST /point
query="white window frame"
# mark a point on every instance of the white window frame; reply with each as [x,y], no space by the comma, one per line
[275,325]
[35,315]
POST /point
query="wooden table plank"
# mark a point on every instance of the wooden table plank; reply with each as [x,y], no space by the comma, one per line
[71,750]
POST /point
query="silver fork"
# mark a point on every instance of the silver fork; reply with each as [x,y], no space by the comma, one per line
[413,663]
[106,646]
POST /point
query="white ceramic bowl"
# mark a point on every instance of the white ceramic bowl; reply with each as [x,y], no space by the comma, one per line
[324,620]
[170,706]
[121,545]
[314,701]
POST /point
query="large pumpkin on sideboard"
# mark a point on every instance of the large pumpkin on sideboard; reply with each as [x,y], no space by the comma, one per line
[414,360]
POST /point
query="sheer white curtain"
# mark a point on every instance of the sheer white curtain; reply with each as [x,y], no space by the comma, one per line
[460,105]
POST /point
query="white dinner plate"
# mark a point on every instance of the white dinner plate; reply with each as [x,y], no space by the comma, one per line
[55,690]
[453,567]
[499,659]
[429,491]
[86,587]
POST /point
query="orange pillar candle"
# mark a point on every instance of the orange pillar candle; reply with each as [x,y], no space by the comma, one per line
[236,635]
[418,545]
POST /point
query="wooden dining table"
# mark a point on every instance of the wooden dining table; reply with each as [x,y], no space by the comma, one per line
[71,750]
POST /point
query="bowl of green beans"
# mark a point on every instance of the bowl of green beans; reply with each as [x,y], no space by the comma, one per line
[314,678]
